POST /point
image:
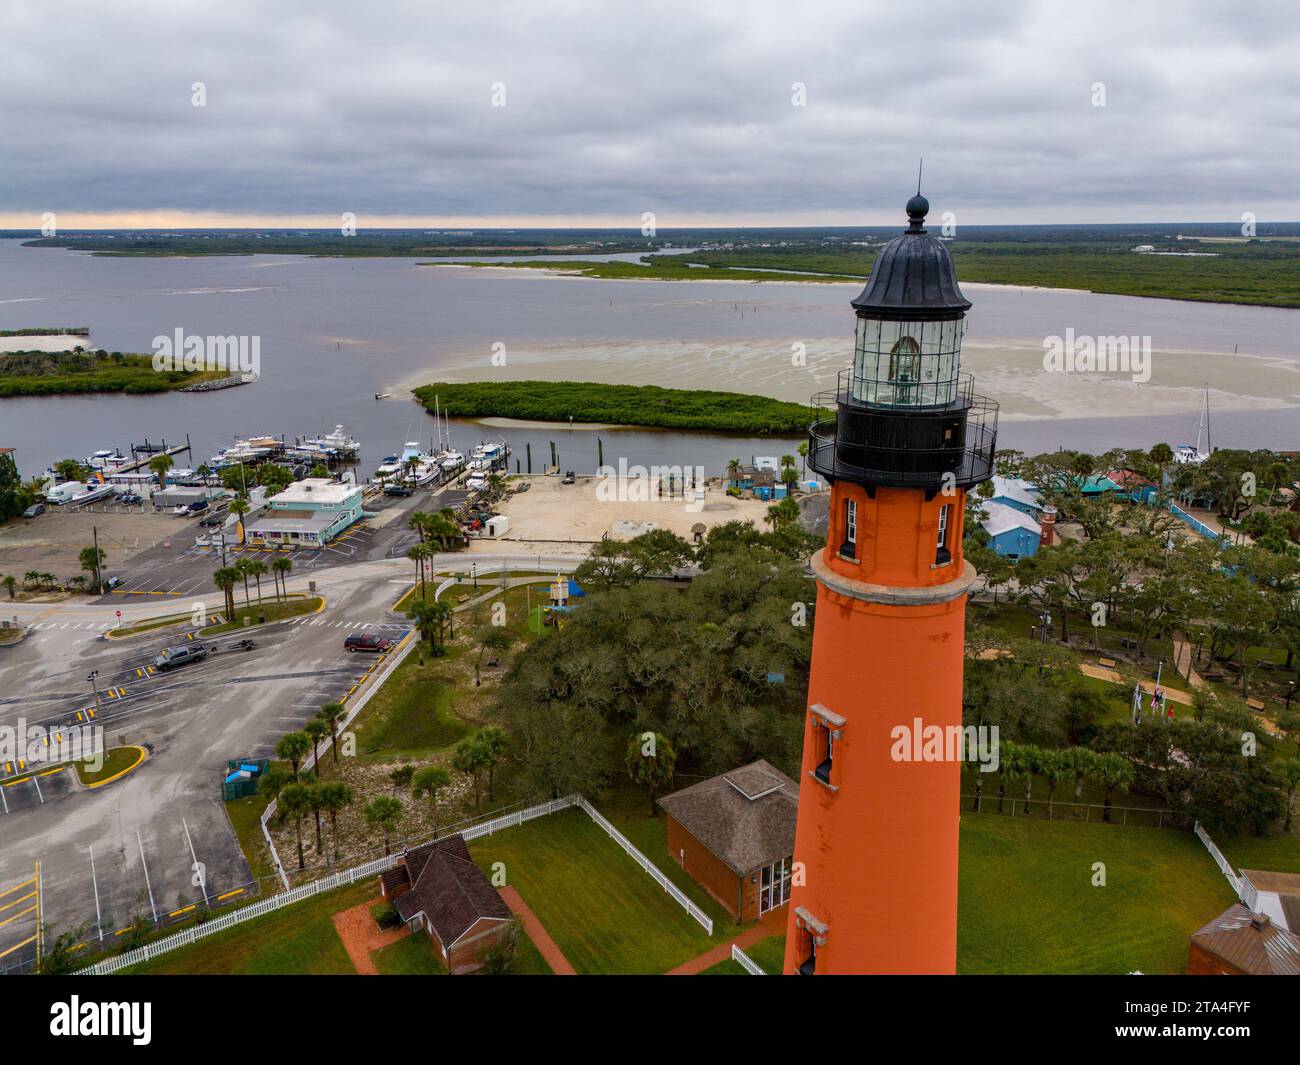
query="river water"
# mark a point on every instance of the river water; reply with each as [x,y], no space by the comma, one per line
[334,332]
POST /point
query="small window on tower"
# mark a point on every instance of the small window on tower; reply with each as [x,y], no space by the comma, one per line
[849,548]
[942,556]
[808,967]
[825,752]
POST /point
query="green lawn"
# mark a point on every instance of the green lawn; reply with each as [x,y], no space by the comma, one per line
[246,819]
[606,915]
[410,715]
[297,940]
[769,954]
[1027,903]
[116,760]
[413,955]
[629,811]
[268,608]
[1276,854]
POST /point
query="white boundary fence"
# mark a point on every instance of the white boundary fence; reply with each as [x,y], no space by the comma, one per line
[1226,869]
[380,865]
[745,961]
[678,896]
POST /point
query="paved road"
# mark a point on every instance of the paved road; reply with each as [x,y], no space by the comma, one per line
[148,831]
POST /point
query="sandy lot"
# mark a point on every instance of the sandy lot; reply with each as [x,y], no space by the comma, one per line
[51,542]
[551,511]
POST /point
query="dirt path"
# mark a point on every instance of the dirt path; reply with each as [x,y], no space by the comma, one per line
[538,934]
[361,935]
[721,953]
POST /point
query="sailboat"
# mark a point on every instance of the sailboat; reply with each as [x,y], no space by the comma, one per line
[1189,454]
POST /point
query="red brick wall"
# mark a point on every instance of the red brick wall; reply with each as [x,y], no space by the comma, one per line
[1200,962]
[709,872]
[467,954]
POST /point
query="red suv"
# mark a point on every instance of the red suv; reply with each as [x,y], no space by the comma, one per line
[367,641]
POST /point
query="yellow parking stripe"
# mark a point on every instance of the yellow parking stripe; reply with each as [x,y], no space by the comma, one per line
[19,946]
[183,909]
[30,895]
[21,913]
[230,894]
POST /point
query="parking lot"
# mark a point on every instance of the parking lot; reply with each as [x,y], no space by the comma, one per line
[160,840]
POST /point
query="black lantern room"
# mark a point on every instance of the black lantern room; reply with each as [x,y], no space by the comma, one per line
[904,414]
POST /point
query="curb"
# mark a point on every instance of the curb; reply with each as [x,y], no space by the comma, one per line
[144,754]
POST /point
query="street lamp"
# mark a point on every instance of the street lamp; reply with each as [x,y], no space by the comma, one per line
[473,572]
[94,673]
[1290,691]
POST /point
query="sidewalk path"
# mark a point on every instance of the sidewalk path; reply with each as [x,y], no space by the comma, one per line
[1183,660]
[537,932]
[361,935]
[721,953]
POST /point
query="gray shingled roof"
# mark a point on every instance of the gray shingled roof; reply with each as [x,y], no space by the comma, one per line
[449,889]
[745,817]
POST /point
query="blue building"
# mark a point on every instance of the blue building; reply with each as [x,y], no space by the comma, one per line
[1012,533]
[1019,495]
[309,513]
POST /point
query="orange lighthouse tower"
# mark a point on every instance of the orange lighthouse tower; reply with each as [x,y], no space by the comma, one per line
[900,440]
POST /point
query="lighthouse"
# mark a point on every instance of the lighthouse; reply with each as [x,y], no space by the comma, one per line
[900,440]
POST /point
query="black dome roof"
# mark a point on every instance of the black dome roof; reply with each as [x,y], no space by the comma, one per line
[913,275]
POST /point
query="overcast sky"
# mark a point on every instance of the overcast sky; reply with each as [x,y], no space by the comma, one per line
[616,108]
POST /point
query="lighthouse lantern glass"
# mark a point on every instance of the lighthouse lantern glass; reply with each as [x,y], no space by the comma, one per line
[907,363]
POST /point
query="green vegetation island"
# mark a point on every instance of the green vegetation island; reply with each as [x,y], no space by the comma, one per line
[48,331]
[639,405]
[53,373]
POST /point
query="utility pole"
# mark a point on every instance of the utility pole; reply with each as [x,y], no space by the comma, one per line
[99,577]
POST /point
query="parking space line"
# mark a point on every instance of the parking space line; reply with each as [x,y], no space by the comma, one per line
[5,953]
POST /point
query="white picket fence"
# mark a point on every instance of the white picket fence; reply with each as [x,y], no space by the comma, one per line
[1224,867]
[380,865]
[676,893]
[745,961]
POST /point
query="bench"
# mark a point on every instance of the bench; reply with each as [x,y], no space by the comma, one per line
[1255,704]
[1108,663]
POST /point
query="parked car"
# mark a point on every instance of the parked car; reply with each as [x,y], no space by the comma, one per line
[33,510]
[474,484]
[181,655]
[213,519]
[569,477]
[129,498]
[367,641]
[398,490]
[112,583]
[197,507]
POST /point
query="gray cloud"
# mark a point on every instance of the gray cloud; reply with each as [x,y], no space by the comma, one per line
[681,108]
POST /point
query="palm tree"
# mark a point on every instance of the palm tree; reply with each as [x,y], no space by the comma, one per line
[429,782]
[293,747]
[294,801]
[385,812]
[243,567]
[333,796]
[417,553]
[494,743]
[1082,762]
[316,730]
[158,466]
[32,577]
[91,559]
[1054,765]
[240,505]
[472,757]
[651,759]
[803,457]
[226,578]
[257,570]
[282,567]
[9,582]
[1114,771]
[430,619]
[401,776]
[419,522]
[332,714]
